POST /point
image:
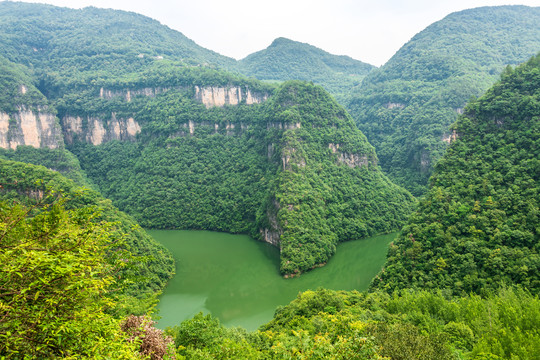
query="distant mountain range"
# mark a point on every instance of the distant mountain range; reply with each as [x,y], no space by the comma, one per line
[286,59]
[405,107]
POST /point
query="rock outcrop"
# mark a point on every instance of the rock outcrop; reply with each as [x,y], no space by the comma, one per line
[98,131]
[448,138]
[351,160]
[272,233]
[210,96]
[39,129]
[220,96]
[128,94]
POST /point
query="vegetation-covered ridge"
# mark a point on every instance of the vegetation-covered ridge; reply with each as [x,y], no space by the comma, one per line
[293,171]
[405,107]
[328,188]
[188,164]
[286,59]
[477,227]
[53,39]
[152,266]
[420,325]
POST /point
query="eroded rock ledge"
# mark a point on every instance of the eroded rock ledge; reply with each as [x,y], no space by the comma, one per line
[97,131]
[351,160]
[33,128]
[210,96]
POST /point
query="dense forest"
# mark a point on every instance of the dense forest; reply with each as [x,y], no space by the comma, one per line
[292,170]
[286,59]
[405,107]
[295,167]
[152,265]
[109,120]
[477,227]
[424,325]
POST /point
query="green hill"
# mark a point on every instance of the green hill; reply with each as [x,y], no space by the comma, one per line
[51,38]
[293,171]
[286,59]
[148,273]
[477,227]
[405,107]
[179,144]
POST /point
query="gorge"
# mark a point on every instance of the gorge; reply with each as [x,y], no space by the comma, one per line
[111,123]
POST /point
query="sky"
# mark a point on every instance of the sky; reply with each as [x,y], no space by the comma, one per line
[367,30]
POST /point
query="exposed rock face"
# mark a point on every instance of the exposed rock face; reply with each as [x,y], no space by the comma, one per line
[425,161]
[97,131]
[448,138]
[351,160]
[219,96]
[209,95]
[38,129]
[283,126]
[272,234]
[394,106]
[291,156]
[128,94]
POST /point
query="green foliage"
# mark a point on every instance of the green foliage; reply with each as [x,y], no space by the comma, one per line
[325,324]
[226,169]
[60,160]
[285,59]
[421,324]
[152,266]
[56,268]
[329,187]
[204,338]
[405,107]
[477,227]
[90,39]
[18,88]
[300,150]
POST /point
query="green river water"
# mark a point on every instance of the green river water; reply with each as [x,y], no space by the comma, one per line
[237,280]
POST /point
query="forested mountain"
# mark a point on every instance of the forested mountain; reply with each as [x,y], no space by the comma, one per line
[405,107]
[177,144]
[54,39]
[286,59]
[477,227]
[115,105]
[153,265]
[458,281]
[293,171]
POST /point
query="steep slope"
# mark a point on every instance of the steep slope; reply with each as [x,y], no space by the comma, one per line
[406,106]
[25,117]
[328,188]
[180,145]
[293,170]
[153,265]
[286,59]
[477,228]
[57,39]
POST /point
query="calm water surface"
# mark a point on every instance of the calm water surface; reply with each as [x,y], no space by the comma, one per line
[237,279]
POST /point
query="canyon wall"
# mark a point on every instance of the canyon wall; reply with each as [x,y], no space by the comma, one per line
[220,96]
[38,128]
[97,131]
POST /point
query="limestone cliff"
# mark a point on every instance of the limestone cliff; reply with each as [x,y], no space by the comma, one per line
[351,160]
[39,129]
[271,233]
[220,96]
[210,96]
[97,131]
[128,94]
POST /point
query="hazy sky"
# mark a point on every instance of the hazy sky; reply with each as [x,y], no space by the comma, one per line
[367,30]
